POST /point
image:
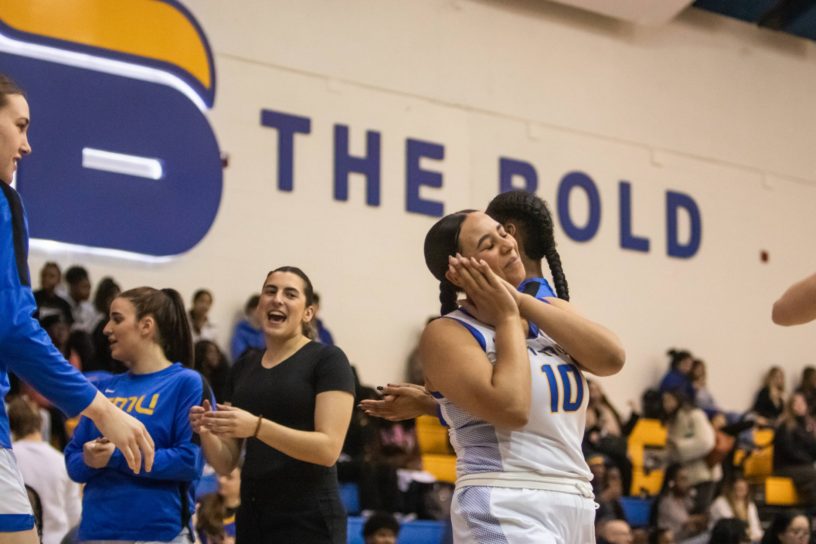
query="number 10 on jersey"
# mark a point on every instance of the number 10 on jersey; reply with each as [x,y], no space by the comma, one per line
[566,387]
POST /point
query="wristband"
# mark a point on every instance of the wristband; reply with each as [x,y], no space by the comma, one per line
[257,427]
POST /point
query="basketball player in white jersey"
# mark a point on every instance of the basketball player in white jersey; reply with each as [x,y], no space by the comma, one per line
[515,402]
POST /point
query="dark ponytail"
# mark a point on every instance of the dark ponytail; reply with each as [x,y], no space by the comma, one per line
[441,242]
[167,308]
[447,296]
[531,215]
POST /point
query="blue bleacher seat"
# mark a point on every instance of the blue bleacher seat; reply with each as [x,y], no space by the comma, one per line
[412,532]
[350,497]
[636,510]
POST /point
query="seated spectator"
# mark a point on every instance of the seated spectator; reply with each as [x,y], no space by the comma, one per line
[79,294]
[730,531]
[202,327]
[678,377]
[614,531]
[211,363]
[808,388]
[703,398]
[215,521]
[392,457]
[788,527]
[106,291]
[321,333]
[606,433]
[770,400]
[247,333]
[59,331]
[735,502]
[44,471]
[381,528]
[609,499]
[674,507]
[795,447]
[690,439]
[48,301]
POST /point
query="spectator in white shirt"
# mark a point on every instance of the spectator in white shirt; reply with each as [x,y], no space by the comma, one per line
[43,469]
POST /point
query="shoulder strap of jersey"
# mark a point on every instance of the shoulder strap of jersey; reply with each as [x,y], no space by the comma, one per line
[483,334]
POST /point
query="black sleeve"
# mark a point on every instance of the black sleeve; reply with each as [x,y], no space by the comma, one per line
[333,371]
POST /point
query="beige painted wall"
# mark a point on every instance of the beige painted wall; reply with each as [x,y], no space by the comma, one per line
[707,106]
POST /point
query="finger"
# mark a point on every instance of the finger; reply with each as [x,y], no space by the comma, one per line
[133,457]
[225,407]
[147,448]
[206,405]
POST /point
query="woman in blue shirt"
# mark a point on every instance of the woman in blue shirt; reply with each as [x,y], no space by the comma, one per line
[149,332]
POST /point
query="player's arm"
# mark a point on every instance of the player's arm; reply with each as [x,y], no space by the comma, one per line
[321,446]
[183,460]
[222,452]
[597,349]
[28,352]
[456,366]
[797,305]
[400,402]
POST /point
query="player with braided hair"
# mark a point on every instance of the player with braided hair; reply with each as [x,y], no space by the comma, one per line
[514,401]
[526,217]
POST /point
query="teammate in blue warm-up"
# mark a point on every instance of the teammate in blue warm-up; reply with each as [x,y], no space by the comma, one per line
[26,349]
[149,332]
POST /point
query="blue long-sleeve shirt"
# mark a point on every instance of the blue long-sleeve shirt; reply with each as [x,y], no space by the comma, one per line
[25,347]
[245,337]
[120,505]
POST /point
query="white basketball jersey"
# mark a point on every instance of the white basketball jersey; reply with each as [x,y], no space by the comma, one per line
[550,443]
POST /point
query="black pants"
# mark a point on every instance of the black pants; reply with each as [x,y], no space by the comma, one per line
[274,514]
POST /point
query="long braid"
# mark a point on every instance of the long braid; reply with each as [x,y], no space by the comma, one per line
[537,232]
[447,297]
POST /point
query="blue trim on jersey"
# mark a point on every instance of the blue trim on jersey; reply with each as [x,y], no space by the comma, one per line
[12,523]
[473,330]
[537,287]
[437,395]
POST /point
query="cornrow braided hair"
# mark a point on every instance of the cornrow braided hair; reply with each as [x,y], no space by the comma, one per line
[535,221]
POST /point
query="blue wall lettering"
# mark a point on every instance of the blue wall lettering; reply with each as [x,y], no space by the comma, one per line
[627,239]
[511,168]
[674,202]
[569,182]
[287,125]
[416,177]
[369,165]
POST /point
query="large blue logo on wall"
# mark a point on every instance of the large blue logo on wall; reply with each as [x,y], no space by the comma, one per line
[124,157]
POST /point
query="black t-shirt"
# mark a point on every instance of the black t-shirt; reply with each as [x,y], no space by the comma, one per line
[286,394]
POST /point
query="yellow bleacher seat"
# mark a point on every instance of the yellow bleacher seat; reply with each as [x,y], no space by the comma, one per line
[443,467]
[648,435]
[780,492]
[432,437]
[758,464]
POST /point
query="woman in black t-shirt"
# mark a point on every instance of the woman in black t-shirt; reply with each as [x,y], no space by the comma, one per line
[292,405]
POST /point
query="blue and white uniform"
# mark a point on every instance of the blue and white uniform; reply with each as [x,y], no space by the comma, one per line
[26,349]
[152,506]
[527,485]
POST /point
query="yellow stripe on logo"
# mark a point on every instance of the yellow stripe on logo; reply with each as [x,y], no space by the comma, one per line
[147,28]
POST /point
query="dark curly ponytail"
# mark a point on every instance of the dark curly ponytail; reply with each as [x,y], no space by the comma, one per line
[532,216]
[441,242]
